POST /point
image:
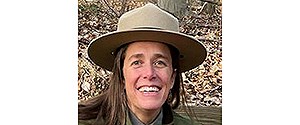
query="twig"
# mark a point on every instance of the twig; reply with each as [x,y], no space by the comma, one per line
[83,43]
[123,7]
[213,2]
[208,26]
[105,1]
[111,16]
[204,39]
[202,8]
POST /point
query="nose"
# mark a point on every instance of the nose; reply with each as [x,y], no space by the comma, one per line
[149,72]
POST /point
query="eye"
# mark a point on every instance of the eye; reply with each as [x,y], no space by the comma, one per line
[136,63]
[160,63]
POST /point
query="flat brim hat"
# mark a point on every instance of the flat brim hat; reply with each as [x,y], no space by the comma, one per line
[147,23]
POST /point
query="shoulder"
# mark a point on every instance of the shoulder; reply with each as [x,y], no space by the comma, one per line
[92,121]
[86,122]
[181,120]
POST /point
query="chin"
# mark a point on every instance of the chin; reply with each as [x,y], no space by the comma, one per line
[151,104]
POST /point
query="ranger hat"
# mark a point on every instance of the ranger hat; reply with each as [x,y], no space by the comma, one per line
[147,23]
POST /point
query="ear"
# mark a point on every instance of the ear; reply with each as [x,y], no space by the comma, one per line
[173,78]
[124,84]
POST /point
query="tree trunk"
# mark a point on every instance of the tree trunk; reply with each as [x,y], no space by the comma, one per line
[176,7]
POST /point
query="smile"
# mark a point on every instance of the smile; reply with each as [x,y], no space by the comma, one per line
[149,89]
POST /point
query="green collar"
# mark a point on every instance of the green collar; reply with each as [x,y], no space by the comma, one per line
[132,118]
[165,117]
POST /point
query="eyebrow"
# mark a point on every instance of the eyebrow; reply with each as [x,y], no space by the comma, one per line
[140,55]
[158,55]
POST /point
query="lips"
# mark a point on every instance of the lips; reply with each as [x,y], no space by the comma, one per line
[149,88]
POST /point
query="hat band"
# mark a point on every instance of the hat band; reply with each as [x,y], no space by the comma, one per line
[147,27]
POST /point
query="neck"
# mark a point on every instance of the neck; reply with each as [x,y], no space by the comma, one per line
[145,116]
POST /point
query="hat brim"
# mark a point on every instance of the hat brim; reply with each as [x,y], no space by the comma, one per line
[192,52]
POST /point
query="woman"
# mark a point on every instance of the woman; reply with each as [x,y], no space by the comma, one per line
[146,55]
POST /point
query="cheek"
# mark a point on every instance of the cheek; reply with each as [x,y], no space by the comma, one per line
[129,85]
[130,78]
[166,78]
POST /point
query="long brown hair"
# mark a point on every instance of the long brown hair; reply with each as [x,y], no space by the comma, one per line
[110,107]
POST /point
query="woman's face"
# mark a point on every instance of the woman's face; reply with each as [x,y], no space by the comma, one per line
[148,74]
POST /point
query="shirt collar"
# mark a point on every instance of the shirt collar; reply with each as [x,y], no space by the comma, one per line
[134,120]
[165,117]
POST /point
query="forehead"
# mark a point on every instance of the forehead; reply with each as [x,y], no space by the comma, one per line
[147,50]
[142,47]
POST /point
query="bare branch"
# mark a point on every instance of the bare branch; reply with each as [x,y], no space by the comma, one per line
[202,8]
[209,26]
[217,2]
[123,7]
[105,1]
[205,39]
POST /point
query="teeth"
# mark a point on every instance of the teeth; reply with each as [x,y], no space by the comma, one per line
[148,89]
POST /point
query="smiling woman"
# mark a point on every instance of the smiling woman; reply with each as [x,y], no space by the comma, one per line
[148,82]
[146,55]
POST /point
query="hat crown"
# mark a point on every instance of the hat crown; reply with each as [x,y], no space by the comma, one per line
[148,17]
[147,23]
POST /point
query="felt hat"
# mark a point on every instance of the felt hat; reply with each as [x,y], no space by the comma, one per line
[147,23]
